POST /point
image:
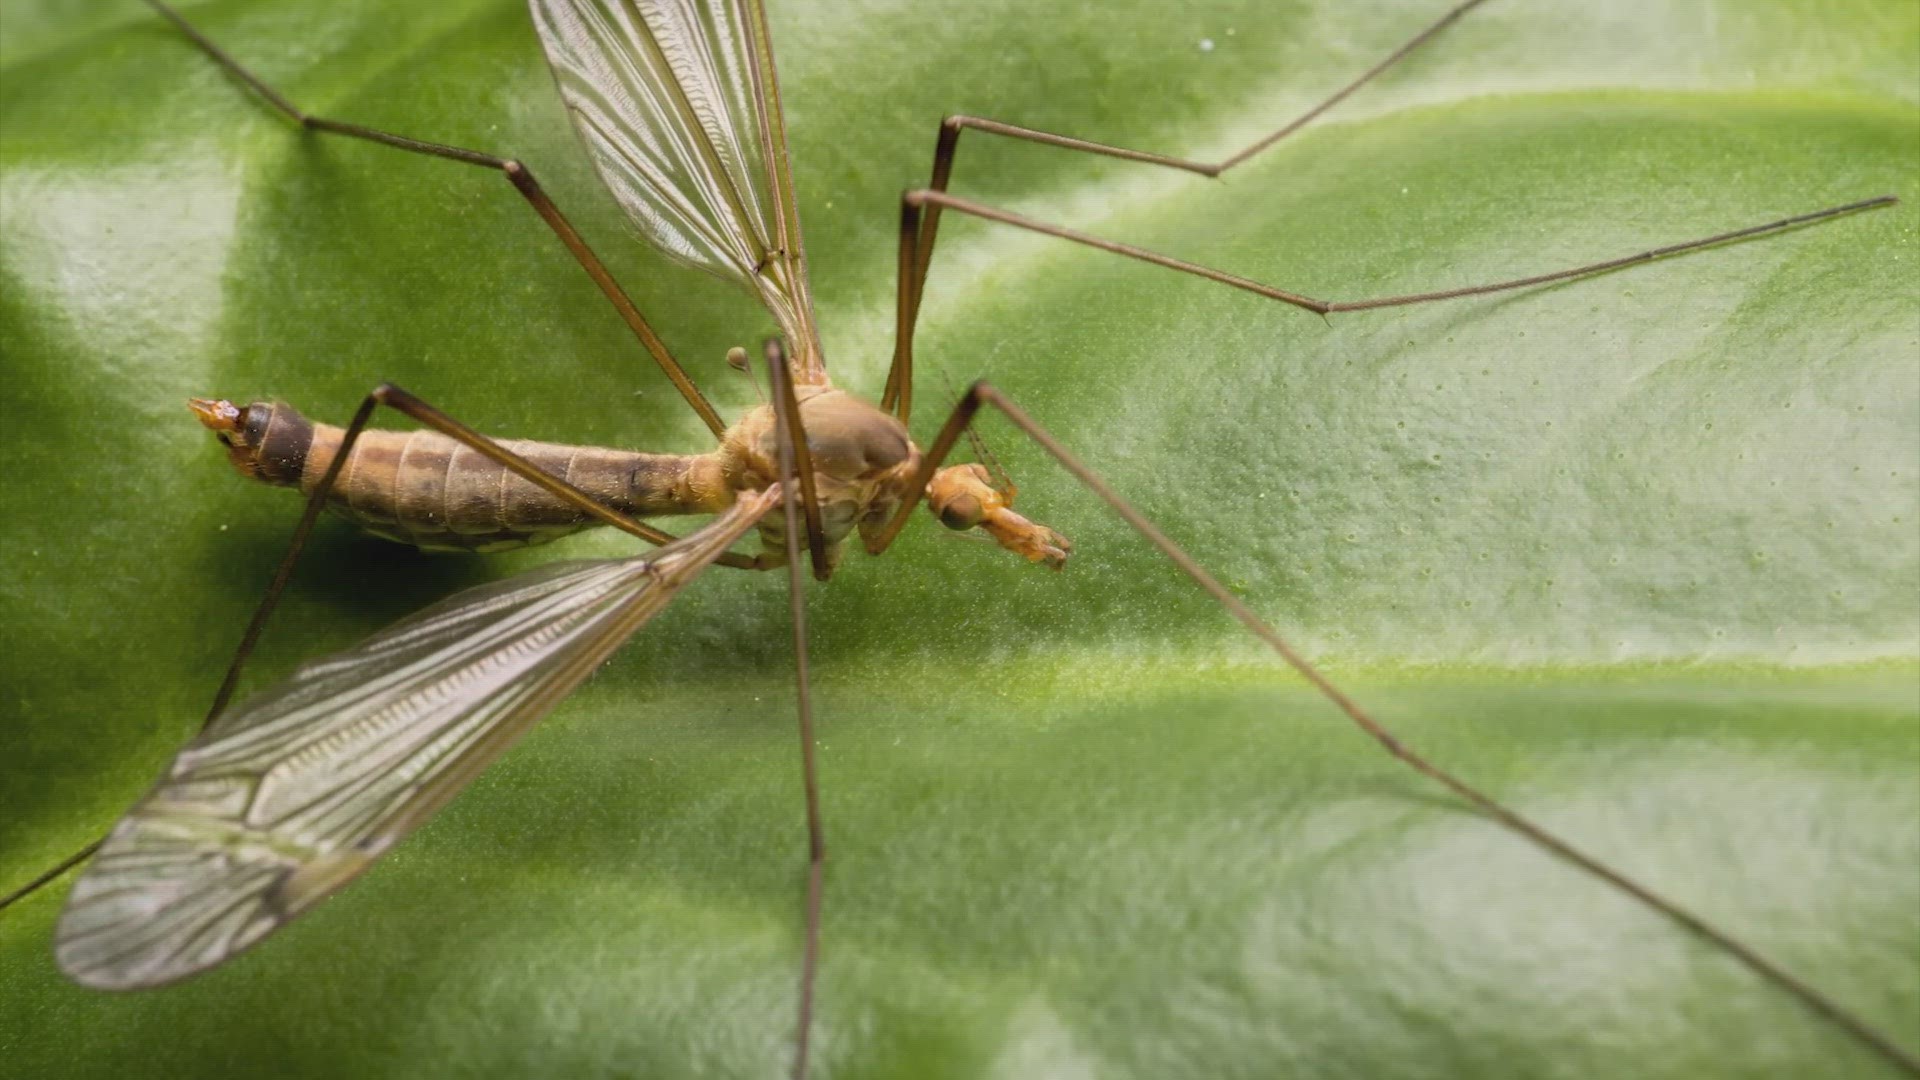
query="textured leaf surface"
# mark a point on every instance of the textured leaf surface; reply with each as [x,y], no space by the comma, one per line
[1638,553]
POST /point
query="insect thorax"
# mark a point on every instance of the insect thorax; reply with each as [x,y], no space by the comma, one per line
[863,462]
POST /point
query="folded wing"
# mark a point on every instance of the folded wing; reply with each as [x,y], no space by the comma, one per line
[677,103]
[292,793]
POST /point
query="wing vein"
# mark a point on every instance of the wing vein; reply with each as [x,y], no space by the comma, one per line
[348,755]
[675,102]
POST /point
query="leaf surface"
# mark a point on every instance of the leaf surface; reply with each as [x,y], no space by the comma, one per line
[1636,553]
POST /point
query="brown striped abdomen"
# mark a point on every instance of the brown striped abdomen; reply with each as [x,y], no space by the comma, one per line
[425,489]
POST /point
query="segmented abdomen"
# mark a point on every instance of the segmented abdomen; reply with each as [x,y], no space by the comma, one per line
[425,489]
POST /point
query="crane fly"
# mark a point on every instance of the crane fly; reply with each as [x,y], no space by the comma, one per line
[285,796]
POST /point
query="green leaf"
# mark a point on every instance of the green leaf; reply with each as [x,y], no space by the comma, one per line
[1636,553]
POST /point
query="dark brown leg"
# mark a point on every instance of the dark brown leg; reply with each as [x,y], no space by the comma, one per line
[947,144]
[791,433]
[261,612]
[914,200]
[914,203]
[981,393]
[792,440]
[52,873]
[523,182]
[400,400]
[923,208]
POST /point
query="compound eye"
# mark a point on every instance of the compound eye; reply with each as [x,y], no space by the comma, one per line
[962,512]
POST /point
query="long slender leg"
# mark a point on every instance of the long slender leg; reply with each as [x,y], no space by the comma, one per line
[518,174]
[917,254]
[401,401]
[261,612]
[791,432]
[52,873]
[255,626]
[916,200]
[981,393]
[786,412]
[947,144]
[913,261]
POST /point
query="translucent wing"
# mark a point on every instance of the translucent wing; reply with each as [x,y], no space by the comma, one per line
[292,793]
[679,107]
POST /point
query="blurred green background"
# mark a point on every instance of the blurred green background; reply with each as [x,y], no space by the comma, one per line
[1637,553]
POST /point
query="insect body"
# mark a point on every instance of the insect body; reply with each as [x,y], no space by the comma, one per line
[425,489]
